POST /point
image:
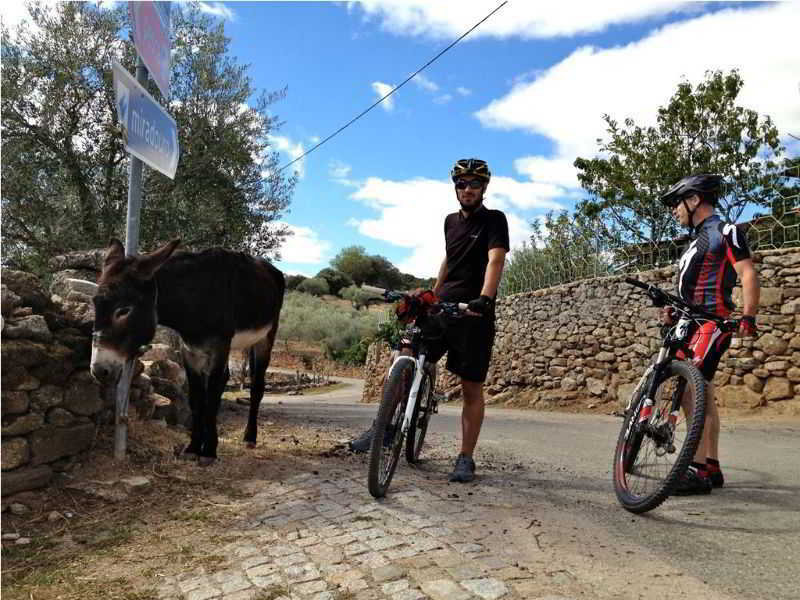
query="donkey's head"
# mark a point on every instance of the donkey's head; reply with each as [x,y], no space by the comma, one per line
[125,307]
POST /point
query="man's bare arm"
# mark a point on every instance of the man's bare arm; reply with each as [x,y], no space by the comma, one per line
[751,290]
[494,270]
[437,288]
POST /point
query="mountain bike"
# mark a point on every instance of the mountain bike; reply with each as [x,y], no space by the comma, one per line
[658,438]
[407,399]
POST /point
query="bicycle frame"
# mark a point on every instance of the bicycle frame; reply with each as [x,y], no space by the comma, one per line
[418,363]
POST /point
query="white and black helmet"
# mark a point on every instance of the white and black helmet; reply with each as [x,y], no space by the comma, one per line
[706,185]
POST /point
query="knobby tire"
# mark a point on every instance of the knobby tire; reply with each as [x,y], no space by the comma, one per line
[418,426]
[385,453]
[629,447]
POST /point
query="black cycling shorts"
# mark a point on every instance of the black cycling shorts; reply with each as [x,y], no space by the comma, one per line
[707,344]
[468,342]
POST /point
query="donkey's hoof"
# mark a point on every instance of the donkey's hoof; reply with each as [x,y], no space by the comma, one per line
[250,445]
[186,454]
[206,461]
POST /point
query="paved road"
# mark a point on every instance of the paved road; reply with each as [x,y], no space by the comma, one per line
[540,521]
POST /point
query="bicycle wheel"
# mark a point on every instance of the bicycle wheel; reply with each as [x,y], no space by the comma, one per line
[652,453]
[419,419]
[388,438]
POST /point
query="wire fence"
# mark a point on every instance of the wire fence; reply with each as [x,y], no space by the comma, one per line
[592,255]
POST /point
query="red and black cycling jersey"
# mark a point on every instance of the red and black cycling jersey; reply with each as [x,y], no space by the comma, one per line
[706,276]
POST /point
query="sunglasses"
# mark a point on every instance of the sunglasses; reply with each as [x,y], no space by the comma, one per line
[473,184]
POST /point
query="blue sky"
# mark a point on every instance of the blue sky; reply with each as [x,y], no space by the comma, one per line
[526,91]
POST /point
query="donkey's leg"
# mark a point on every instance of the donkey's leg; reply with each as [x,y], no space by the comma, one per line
[197,401]
[259,360]
[217,379]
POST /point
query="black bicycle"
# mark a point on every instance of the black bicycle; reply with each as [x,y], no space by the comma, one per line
[408,399]
[665,415]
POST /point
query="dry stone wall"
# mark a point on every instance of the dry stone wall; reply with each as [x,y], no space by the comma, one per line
[587,343]
[51,406]
[50,403]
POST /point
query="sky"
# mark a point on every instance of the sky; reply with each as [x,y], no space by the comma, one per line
[525,91]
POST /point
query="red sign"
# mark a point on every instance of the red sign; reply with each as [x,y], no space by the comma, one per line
[151,35]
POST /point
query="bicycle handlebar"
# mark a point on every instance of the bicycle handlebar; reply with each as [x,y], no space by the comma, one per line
[395,296]
[660,298]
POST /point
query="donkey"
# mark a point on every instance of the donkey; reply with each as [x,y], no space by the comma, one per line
[217,300]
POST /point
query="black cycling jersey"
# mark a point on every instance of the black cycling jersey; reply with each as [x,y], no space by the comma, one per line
[467,242]
[706,275]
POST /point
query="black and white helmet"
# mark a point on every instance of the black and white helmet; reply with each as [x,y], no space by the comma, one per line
[706,185]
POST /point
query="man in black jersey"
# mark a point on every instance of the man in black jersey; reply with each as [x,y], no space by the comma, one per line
[476,243]
[707,274]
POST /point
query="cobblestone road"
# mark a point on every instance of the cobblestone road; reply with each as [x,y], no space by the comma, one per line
[323,537]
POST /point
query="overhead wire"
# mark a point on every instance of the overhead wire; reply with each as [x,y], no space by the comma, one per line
[394,89]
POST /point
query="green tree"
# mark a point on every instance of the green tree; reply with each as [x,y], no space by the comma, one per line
[64,168]
[316,286]
[354,262]
[700,130]
[336,279]
[292,281]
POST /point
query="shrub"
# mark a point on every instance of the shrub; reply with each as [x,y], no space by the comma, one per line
[316,286]
[336,279]
[292,281]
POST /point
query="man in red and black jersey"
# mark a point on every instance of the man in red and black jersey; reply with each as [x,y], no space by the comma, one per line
[707,274]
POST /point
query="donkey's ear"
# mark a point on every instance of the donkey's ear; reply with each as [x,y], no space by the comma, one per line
[114,252]
[150,263]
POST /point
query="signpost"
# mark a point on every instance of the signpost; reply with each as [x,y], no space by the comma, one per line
[151,31]
[151,136]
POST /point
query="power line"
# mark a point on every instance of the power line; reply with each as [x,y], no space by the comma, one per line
[409,78]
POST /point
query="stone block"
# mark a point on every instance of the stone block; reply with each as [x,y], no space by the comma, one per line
[58,366]
[32,327]
[51,443]
[754,383]
[777,388]
[83,396]
[46,397]
[771,345]
[738,396]
[793,375]
[15,453]
[28,478]
[22,424]
[15,403]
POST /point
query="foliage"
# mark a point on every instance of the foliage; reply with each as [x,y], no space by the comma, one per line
[358,297]
[65,171]
[310,319]
[364,268]
[292,281]
[563,248]
[700,130]
[316,286]
[390,332]
[336,279]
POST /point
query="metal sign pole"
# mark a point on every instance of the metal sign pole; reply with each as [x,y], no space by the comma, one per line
[123,389]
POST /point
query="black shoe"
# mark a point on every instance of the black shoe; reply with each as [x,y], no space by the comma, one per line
[691,484]
[464,471]
[717,480]
[363,442]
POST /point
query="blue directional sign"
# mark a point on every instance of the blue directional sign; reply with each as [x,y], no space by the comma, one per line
[151,135]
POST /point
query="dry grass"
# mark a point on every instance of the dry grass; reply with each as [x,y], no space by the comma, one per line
[122,550]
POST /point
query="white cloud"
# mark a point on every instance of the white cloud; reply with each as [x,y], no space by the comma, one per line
[292,149]
[424,83]
[304,246]
[526,20]
[443,99]
[340,173]
[565,103]
[556,171]
[381,89]
[217,9]
[463,91]
[411,214]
